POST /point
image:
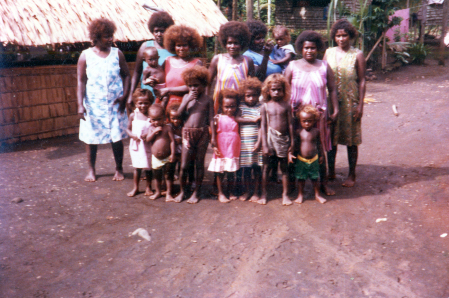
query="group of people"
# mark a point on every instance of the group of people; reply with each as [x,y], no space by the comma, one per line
[267,108]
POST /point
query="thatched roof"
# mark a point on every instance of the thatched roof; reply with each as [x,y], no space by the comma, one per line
[40,22]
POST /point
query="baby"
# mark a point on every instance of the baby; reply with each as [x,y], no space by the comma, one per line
[153,74]
[162,149]
[307,161]
[283,51]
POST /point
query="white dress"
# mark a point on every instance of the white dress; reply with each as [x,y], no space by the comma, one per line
[139,150]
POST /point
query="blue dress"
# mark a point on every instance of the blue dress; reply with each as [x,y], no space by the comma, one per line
[257,59]
[163,54]
[104,123]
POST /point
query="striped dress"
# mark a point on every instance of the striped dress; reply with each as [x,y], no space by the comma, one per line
[229,76]
[309,88]
[249,134]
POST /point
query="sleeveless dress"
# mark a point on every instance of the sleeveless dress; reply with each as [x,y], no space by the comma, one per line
[140,151]
[163,54]
[104,123]
[309,88]
[249,134]
[229,76]
[228,141]
[173,77]
[346,132]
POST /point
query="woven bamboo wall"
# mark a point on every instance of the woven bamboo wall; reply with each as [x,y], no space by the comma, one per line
[38,102]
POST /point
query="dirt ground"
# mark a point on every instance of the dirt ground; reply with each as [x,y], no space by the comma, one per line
[69,238]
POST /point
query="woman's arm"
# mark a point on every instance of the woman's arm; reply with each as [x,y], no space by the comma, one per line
[124,73]
[172,143]
[251,67]
[361,69]
[138,68]
[261,70]
[332,89]
[81,84]
[288,57]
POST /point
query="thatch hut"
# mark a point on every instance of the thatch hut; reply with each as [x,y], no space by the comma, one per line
[40,102]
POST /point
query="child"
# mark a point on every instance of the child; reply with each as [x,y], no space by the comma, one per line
[175,121]
[227,151]
[139,150]
[277,131]
[195,133]
[307,161]
[249,118]
[163,149]
[283,51]
[153,74]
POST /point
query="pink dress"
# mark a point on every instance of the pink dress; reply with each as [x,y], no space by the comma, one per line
[173,77]
[228,140]
[309,88]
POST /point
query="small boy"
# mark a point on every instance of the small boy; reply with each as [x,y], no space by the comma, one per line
[162,149]
[277,131]
[307,164]
[153,74]
[199,110]
[283,51]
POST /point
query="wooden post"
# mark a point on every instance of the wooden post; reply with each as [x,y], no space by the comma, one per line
[249,9]
[423,21]
[258,9]
[234,10]
[443,32]
[216,37]
[384,53]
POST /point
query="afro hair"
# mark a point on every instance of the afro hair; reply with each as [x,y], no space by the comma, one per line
[310,36]
[196,72]
[160,19]
[344,25]
[182,33]
[234,29]
[101,27]
[275,78]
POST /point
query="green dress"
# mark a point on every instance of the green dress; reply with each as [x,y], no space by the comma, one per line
[346,131]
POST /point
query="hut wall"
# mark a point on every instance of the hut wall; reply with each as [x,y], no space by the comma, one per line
[38,102]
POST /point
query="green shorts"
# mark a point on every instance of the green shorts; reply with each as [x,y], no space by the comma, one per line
[307,168]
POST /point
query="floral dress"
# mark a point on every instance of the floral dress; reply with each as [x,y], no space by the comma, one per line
[347,131]
[104,123]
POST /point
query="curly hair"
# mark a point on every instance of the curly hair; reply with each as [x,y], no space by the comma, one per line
[275,78]
[182,33]
[160,19]
[281,31]
[143,93]
[344,25]
[234,29]
[100,27]
[310,36]
[228,93]
[251,83]
[308,109]
[196,72]
[256,28]
[173,107]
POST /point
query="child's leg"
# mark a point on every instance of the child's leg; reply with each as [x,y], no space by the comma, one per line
[169,175]
[157,174]
[284,169]
[91,151]
[136,180]
[185,163]
[246,183]
[353,154]
[117,149]
[316,188]
[300,197]
[240,189]
[232,191]
[257,170]
[149,177]
[266,169]
[199,165]
[221,196]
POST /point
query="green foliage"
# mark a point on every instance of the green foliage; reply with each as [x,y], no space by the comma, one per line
[418,53]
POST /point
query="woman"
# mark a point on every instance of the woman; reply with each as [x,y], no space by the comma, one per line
[349,67]
[158,24]
[181,41]
[103,86]
[261,51]
[310,78]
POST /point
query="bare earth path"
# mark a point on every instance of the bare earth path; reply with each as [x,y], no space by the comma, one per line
[72,239]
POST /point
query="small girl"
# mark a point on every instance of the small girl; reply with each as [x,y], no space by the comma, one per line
[139,150]
[249,119]
[227,153]
[283,51]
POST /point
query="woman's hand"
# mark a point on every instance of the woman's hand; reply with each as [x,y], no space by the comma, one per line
[291,157]
[267,48]
[321,160]
[121,102]
[164,92]
[358,113]
[151,81]
[81,112]
[217,152]
[257,147]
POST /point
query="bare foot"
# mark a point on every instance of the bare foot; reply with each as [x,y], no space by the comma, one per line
[331,176]
[148,192]
[156,195]
[118,176]
[243,197]
[169,198]
[179,197]
[262,200]
[299,199]
[233,198]
[193,199]
[286,201]
[90,177]
[222,198]
[254,198]
[327,190]
[133,192]
[349,182]
[320,199]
